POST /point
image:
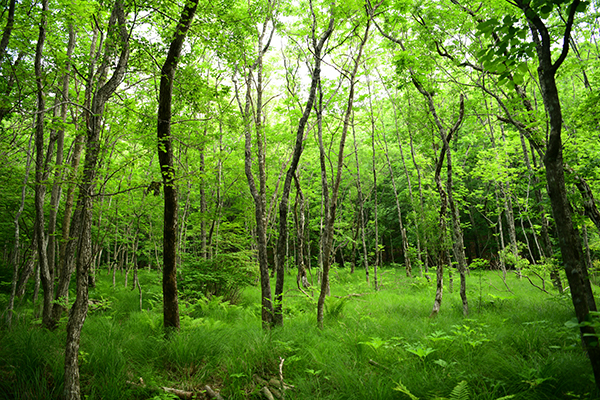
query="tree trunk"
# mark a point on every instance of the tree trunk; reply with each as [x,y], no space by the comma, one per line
[79,309]
[259,194]
[330,205]
[291,172]
[40,186]
[375,199]
[405,245]
[16,251]
[300,220]
[71,221]
[446,199]
[568,236]
[165,156]
[361,209]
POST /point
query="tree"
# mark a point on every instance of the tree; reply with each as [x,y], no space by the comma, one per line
[117,26]
[317,47]
[165,155]
[252,113]
[331,202]
[570,243]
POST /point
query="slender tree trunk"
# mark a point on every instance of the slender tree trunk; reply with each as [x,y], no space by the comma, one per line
[445,199]
[71,221]
[79,309]
[165,155]
[361,209]
[405,245]
[16,251]
[291,172]
[300,220]
[375,199]
[331,205]
[259,193]
[40,186]
[457,235]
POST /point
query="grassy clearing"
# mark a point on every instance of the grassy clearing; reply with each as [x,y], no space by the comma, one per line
[375,345]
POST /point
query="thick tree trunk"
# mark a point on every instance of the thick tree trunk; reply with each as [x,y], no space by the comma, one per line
[10,20]
[167,168]
[568,236]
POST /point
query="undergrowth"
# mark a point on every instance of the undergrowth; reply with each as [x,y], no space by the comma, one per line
[375,345]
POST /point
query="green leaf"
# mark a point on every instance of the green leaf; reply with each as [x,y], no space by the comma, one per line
[581,7]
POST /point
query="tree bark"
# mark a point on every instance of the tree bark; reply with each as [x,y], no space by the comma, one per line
[331,204]
[79,309]
[291,172]
[446,199]
[46,275]
[165,156]
[361,210]
[568,236]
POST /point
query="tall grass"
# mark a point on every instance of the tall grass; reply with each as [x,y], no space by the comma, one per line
[375,345]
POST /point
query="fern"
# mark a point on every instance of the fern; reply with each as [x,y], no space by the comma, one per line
[403,389]
[460,391]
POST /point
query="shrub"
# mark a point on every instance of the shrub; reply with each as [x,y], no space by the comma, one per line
[224,275]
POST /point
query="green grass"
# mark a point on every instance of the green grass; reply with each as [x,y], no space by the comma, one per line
[375,345]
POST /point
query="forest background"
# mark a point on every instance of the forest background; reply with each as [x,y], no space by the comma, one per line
[226,144]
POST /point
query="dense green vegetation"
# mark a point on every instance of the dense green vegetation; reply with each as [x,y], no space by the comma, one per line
[523,343]
[300,179]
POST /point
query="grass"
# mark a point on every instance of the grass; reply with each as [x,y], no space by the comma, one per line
[375,345]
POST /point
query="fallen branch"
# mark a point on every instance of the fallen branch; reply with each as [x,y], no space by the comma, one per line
[281,377]
[212,394]
[534,285]
[267,393]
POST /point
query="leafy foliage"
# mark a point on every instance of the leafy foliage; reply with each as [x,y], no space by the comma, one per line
[225,275]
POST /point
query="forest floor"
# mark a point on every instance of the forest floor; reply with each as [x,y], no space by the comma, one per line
[375,345]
